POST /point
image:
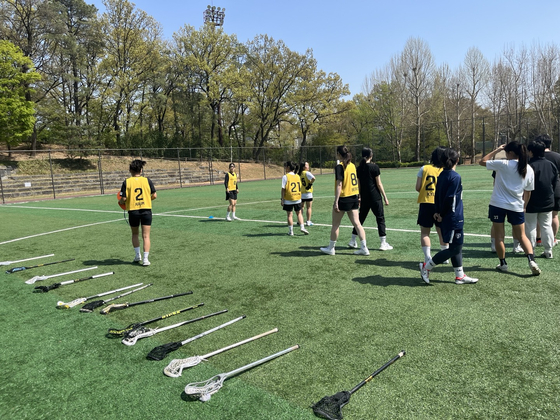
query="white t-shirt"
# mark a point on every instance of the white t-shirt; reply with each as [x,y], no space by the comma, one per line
[509,185]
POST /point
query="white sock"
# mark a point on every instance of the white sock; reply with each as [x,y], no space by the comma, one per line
[354,238]
[459,273]
[363,242]
[430,264]
[291,229]
[427,253]
[442,247]
[233,214]
[137,251]
[302,226]
[146,255]
[383,239]
[332,244]
[228,213]
[493,241]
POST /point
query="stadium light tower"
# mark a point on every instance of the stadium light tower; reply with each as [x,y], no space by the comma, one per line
[214,15]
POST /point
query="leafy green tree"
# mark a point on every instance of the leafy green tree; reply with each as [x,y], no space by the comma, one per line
[16,112]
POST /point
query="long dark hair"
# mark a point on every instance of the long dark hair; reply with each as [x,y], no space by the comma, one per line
[449,158]
[437,156]
[520,150]
[293,167]
[366,153]
[345,154]
[136,166]
[301,167]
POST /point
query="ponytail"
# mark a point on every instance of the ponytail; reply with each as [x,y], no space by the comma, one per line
[449,158]
[366,153]
[345,154]
[520,150]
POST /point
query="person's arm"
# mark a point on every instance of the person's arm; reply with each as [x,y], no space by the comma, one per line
[122,200]
[526,198]
[337,191]
[153,192]
[491,155]
[226,182]
[381,189]
[418,184]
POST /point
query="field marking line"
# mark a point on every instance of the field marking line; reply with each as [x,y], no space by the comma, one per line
[58,230]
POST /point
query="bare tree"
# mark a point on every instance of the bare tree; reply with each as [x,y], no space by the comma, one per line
[419,65]
[545,72]
[474,73]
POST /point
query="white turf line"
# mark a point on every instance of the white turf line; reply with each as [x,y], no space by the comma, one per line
[169,214]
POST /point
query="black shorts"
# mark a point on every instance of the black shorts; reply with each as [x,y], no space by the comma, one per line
[426,213]
[307,200]
[292,207]
[140,217]
[232,195]
[348,203]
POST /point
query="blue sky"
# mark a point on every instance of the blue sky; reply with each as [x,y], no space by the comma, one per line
[354,38]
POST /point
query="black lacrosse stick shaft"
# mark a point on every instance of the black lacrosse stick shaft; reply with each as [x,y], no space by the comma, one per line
[16,269]
[120,333]
[159,298]
[378,371]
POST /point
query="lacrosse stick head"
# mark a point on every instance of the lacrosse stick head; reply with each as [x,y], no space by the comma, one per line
[331,407]
[204,390]
[176,366]
[42,289]
[132,336]
[34,279]
[159,352]
[116,333]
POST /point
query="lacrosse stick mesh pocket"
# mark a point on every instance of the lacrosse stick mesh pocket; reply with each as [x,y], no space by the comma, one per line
[331,407]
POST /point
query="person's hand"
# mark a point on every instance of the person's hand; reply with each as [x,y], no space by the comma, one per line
[335,207]
[501,147]
[386,201]
[437,217]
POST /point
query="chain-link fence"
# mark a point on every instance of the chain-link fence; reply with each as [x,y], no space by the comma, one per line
[56,173]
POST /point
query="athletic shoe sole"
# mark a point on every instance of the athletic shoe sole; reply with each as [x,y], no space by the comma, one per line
[424,274]
[327,251]
[535,270]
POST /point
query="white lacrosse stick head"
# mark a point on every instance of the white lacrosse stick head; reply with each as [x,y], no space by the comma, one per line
[205,389]
[176,366]
[34,279]
[132,337]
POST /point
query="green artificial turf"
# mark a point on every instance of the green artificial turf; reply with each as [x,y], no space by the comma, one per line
[488,350]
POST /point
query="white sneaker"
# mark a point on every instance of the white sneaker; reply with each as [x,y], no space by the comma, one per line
[518,250]
[137,259]
[352,244]
[425,274]
[236,218]
[290,233]
[445,262]
[385,247]
[146,263]
[309,223]
[503,267]
[555,242]
[535,270]
[362,251]
[327,250]
[304,231]
[465,280]
[547,254]
[228,219]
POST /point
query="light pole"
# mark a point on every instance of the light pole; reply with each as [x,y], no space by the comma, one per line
[214,15]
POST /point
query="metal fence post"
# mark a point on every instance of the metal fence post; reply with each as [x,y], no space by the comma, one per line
[179,163]
[52,176]
[101,186]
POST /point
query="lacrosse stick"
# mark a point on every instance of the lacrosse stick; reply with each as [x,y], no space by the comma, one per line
[26,259]
[204,390]
[75,302]
[117,306]
[16,269]
[89,307]
[131,337]
[176,366]
[114,332]
[122,206]
[45,289]
[331,407]
[159,352]
[38,278]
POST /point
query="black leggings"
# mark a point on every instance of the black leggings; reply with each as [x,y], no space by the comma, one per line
[377,208]
[454,252]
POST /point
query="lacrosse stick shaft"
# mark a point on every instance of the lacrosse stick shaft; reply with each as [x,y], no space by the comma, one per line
[92,305]
[25,259]
[130,341]
[159,298]
[206,356]
[378,371]
[114,331]
[63,283]
[116,307]
[82,300]
[260,362]
[196,337]
[37,278]
[16,269]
